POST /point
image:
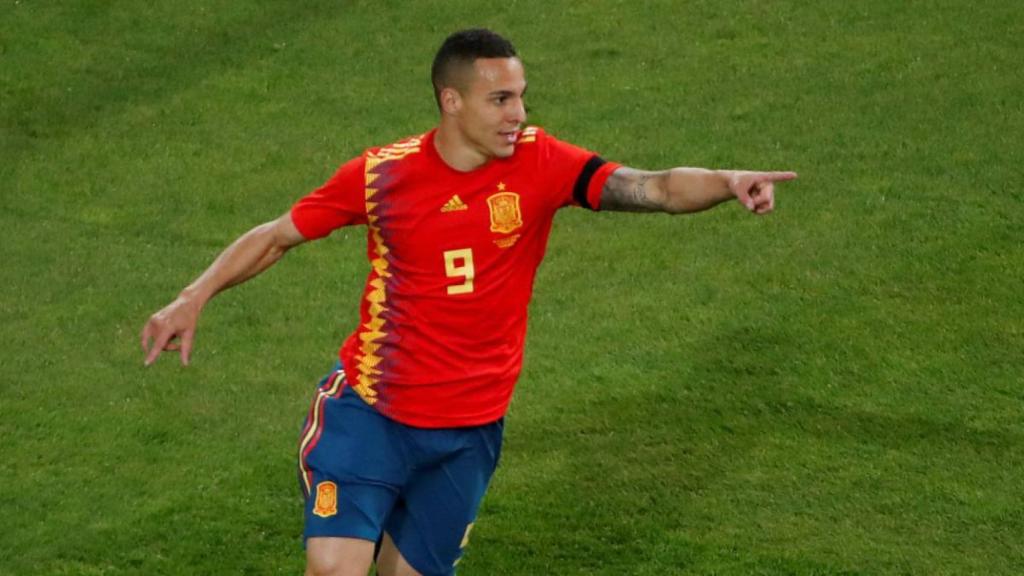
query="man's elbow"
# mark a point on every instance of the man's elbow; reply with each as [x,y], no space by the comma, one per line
[284,234]
[685,190]
[669,193]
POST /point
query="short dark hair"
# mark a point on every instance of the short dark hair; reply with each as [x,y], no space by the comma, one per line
[463,48]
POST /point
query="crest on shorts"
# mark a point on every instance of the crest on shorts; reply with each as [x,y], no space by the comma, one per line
[505,213]
[326,499]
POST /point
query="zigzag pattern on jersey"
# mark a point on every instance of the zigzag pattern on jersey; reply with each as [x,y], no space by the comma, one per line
[374,331]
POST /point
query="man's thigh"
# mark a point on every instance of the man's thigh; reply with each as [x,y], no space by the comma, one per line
[436,510]
[351,468]
[364,474]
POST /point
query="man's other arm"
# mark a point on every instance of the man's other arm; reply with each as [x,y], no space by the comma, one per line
[684,190]
[174,326]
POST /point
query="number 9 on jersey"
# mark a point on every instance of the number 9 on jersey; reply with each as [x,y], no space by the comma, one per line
[459,264]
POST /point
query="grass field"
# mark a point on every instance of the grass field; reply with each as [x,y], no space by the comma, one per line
[835,389]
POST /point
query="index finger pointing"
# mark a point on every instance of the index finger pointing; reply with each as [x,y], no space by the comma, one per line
[780,176]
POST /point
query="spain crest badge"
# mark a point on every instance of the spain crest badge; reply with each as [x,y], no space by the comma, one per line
[326,499]
[505,213]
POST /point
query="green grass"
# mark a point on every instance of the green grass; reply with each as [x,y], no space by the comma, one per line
[835,389]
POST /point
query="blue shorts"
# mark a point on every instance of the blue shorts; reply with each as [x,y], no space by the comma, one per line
[363,474]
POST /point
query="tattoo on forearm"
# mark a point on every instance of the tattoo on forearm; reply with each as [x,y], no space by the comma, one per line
[639,194]
[628,192]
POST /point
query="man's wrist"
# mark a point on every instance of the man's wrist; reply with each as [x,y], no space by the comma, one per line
[192,296]
[728,178]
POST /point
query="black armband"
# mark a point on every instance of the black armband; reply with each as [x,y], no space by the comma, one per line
[579,191]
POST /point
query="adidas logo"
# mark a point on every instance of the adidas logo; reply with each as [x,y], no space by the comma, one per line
[454,205]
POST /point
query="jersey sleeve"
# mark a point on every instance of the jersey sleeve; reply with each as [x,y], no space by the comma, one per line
[339,202]
[577,174]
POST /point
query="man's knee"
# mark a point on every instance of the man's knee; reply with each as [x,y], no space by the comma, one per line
[338,556]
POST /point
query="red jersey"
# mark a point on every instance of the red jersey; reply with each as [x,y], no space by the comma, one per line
[453,257]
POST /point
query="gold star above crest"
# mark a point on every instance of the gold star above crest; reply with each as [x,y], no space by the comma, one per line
[501,186]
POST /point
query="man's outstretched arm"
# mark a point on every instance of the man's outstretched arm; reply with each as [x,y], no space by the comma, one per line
[174,327]
[683,190]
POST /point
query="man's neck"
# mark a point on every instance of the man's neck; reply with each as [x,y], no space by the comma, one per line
[455,151]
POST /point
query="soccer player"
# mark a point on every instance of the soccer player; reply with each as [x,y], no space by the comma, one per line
[402,437]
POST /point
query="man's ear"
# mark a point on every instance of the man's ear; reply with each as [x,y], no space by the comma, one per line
[451,100]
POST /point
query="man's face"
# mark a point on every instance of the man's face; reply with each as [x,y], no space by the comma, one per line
[492,109]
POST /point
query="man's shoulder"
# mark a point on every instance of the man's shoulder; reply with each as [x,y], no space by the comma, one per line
[540,138]
[399,149]
[530,134]
[531,142]
[537,142]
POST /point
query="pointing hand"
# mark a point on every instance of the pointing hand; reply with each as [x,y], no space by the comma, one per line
[756,190]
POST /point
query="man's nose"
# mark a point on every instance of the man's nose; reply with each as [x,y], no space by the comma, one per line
[518,114]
